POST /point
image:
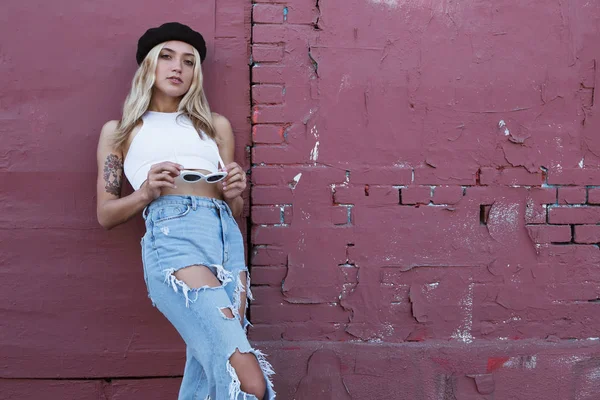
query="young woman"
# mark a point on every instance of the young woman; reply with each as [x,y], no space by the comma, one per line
[178,156]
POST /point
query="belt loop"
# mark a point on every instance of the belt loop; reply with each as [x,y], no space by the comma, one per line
[194,203]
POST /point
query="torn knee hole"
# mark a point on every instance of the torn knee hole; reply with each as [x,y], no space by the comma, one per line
[227,312]
[255,379]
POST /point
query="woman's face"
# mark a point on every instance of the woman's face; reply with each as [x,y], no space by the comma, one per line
[175,68]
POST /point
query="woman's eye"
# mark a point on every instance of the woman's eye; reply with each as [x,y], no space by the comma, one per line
[165,56]
[190,63]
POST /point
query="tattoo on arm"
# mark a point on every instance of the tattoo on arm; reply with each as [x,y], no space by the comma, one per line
[113,174]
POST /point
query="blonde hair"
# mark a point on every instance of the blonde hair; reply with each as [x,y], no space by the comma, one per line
[193,104]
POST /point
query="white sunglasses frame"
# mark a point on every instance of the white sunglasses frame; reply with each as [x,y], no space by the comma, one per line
[202,177]
[185,173]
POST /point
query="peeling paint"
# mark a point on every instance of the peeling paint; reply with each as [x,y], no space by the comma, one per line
[295,181]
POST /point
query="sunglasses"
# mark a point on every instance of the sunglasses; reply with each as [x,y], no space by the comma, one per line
[195,176]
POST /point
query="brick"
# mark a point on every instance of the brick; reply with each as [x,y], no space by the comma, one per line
[339,215]
[571,195]
[549,233]
[271,134]
[542,195]
[266,215]
[444,176]
[272,276]
[303,12]
[269,235]
[381,176]
[267,53]
[415,195]
[587,234]
[348,194]
[268,255]
[284,175]
[573,215]
[281,154]
[267,295]
[269,33]
[574,176]
[271,195]
[267,13]
[267,74]
[357,195]
[447,194]
[510,176]
[267,94]
[594,195]
[267,114]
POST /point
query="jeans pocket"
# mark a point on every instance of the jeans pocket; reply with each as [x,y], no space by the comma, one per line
[170,211]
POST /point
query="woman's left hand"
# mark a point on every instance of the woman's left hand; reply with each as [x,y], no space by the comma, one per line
[235,182]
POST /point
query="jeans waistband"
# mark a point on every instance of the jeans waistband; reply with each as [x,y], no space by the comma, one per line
[193,201]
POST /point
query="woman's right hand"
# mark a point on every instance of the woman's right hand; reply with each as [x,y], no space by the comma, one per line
[161,175]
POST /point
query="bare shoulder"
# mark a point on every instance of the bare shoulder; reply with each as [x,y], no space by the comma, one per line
[108,131]
[222,127]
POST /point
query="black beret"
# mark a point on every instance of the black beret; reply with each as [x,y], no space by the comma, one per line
[166,32]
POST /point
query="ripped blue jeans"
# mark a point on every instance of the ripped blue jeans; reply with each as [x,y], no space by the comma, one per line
[182,231]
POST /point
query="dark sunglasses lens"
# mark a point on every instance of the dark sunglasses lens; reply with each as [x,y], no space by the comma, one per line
[191,178]
[214,178]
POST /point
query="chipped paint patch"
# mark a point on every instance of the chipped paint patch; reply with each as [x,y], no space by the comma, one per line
[345,82]
[501,125]
[463,333]
[508,214]
[389,3]
[314,153]
[524,362]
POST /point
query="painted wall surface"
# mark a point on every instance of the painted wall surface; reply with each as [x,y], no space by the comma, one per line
[73,300]
[425,201]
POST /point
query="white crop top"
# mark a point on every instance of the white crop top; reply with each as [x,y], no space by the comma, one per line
[169,137]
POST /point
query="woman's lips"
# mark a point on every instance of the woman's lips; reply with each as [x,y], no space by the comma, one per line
[175,81]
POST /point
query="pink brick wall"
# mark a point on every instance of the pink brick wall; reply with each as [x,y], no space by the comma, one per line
[424,193]
[424,202]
